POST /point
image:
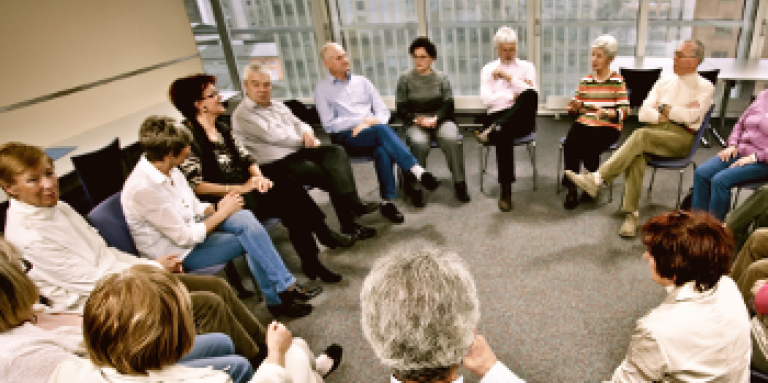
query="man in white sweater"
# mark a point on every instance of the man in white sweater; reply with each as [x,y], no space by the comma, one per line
[673,113]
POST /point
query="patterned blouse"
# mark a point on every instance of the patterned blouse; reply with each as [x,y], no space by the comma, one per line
[192,167]
[610,94]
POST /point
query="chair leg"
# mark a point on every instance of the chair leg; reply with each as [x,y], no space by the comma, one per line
[558,182]
[736,197]
[679,188]
[532,152]
[234,280]
[650,186]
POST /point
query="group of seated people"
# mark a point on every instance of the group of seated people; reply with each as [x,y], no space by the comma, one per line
[196,195]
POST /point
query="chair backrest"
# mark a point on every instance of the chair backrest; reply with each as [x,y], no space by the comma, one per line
[108,218]
[710,74]
[700,132]
[100,172]
[639,82]
[306,113]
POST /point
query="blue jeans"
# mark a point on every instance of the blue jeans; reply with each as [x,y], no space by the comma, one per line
[386,148]
[239,233]
[216,350]
[713,180]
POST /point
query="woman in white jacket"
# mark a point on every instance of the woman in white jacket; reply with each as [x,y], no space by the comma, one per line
[138,325]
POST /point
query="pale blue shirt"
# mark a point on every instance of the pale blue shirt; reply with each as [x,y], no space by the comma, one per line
[342,105]
[499,373]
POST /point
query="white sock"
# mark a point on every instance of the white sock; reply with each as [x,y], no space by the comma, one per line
[417,171]
[598,178]
[323,364]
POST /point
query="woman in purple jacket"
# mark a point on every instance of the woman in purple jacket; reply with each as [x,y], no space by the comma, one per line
[745,159]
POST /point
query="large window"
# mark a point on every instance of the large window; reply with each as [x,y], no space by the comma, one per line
[568,30]
[556,35]
[376,35]
[463,31]
[716,23]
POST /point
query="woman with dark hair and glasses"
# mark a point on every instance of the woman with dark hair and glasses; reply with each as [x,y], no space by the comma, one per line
[701,331]
[424,102]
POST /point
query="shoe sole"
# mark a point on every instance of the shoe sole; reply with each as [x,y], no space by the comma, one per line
[583,185]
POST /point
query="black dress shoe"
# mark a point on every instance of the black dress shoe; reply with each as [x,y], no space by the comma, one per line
[461,191]
[571,199]
[389,210]
[417,198]
[302,293]
[318,270]
[359,232]
[293,309]
[429,181]
[365,208]
[334,352]
[332,239]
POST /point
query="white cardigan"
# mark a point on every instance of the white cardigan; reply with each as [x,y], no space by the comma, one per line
[30,354]
[68,255]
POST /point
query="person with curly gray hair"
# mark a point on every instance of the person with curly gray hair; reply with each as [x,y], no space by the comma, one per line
[427,283]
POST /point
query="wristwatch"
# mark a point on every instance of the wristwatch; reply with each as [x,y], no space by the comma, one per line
[661,108]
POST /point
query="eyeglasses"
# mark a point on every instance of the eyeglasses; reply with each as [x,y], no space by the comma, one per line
[213,94]
[421,57]
[26,265]
[680,55]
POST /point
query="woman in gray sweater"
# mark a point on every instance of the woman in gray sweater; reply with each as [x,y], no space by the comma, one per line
[425,104]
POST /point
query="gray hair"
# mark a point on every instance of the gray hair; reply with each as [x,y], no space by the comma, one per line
[420,310]
[255,68]
[505,35]
[324,49]
[698,48]
[160,136]
[608,44]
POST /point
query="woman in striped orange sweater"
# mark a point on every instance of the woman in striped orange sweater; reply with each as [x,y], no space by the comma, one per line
[600,105]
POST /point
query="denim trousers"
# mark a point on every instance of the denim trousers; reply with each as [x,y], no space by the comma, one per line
[239,233]
[386,148]
[217,350]
[713,180]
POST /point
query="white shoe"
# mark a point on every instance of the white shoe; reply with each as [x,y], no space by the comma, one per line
[587,182]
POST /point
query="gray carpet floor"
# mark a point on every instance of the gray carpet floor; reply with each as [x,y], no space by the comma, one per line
[560,290]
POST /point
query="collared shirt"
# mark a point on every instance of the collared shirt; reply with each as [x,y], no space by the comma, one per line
[499,373]
[68,254]
[269,133]
[500,94]
[342,105]
[691,336]
[163,213]
[677,92]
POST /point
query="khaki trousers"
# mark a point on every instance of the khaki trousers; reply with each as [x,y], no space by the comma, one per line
[665,140]
[752,263]
[217,308]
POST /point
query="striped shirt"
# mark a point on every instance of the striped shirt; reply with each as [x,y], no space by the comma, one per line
[610,94]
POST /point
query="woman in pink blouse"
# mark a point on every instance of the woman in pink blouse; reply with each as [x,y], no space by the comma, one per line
[744,160]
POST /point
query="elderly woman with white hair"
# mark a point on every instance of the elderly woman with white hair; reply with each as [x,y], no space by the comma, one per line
[428,284]
[600,105]
[508,90]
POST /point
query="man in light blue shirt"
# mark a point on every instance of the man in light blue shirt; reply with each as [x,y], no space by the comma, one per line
[355,116]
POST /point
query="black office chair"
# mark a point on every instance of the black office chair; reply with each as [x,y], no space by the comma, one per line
[100,172]
[711,75]
[639,82]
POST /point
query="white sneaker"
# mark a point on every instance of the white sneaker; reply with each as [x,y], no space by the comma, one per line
[587,182]
[629,227]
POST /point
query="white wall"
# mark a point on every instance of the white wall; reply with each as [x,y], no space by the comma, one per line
[50,46]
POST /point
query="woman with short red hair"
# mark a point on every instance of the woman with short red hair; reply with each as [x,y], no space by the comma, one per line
[701,331]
